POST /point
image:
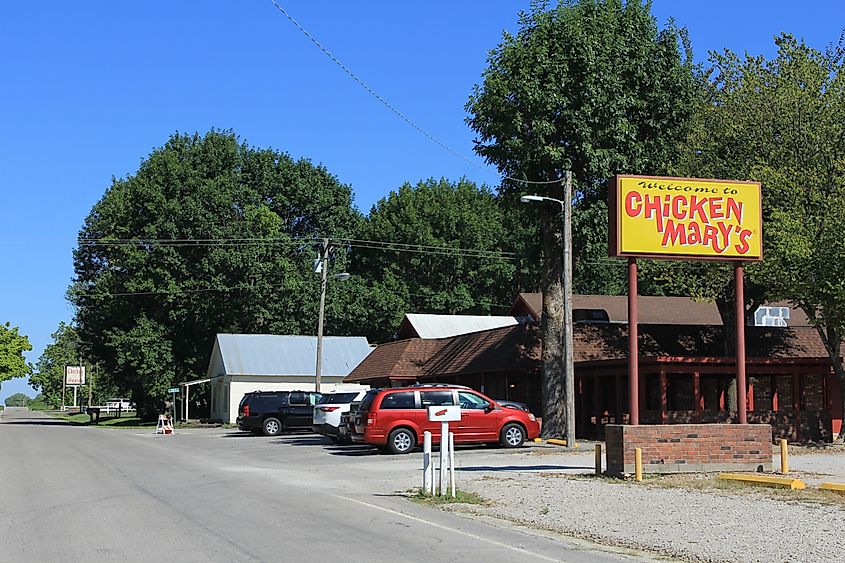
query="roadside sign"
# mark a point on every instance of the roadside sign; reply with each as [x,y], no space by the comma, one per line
[75,375]
[444,413]
[173,390]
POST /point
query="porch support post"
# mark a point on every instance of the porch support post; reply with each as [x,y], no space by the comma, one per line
[740,343]
[796,403]
[664,399]
[633,351]
[597,403]
[697,397]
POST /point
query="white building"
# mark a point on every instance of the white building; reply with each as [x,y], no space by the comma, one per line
[241,363]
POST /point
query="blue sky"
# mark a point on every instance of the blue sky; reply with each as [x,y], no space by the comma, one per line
[92,87]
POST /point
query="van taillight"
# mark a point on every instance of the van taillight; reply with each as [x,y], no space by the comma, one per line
[246,410]
[329,409]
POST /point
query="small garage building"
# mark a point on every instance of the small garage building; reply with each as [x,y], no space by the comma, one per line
[241,363]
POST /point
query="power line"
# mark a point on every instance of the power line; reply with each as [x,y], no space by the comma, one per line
[394,109]
[255,241]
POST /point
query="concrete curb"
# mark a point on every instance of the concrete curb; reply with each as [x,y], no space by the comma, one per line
[765,481]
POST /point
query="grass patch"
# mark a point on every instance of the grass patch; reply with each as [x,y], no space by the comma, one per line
[106,422]
[462,497]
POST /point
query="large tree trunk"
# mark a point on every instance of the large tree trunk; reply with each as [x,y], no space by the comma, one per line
[554,392]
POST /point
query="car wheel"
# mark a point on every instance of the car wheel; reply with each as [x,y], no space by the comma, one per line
[401,441]
[512,436]
[271,427]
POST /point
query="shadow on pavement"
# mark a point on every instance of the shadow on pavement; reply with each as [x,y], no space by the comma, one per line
[525,468]
[43,422]
[353,451]
[309,440]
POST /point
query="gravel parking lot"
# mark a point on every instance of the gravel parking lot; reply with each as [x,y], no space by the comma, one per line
[697,525]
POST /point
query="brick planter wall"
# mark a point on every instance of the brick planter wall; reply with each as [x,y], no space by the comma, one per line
[689,448]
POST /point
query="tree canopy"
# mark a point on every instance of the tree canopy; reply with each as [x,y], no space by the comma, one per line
[210,235]
[426,268]
[782,122]
[13,344]
[17,400]
[50,369]
[591,86]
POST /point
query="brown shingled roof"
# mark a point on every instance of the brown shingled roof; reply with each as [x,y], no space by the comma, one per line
[652,310]
[405,359]
[519,347]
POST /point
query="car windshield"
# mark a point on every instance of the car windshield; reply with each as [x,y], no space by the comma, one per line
[334,398]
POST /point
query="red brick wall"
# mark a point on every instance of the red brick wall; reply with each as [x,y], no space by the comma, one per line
[688,448]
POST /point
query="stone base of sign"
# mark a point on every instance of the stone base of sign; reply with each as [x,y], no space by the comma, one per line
[689,448]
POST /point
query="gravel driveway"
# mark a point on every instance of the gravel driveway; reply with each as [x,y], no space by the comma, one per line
[710,525]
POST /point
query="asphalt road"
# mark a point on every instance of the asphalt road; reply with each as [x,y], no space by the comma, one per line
[71,493]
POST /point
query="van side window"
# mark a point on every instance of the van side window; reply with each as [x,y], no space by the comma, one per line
[401,400]
[298,399]
[436,398]
[471,401]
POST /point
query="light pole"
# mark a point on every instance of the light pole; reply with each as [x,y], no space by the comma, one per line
[568,362]
[343,276]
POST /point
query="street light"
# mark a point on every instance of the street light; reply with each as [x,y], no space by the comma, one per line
[566,275]
[343,276]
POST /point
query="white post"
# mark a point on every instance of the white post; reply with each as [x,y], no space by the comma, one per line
[75,388]
[444,450]
[452,461]
[187,414]
[428,468]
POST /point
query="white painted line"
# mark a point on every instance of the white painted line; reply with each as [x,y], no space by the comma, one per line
[448,529]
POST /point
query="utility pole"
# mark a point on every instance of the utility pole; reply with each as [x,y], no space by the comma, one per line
[324,265]
[567,361]
[568,357]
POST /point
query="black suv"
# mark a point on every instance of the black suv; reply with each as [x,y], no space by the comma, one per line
[270,412]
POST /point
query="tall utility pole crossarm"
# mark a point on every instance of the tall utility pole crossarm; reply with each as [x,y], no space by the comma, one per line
[324,265]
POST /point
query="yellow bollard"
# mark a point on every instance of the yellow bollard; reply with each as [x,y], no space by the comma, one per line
[598,459]
[784,457]
[638,464]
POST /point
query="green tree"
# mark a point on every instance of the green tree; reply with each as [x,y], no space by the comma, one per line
[591,86]
[414,278]
[13,344]
[782,122]
[210,235]
[17,400]
[50,368]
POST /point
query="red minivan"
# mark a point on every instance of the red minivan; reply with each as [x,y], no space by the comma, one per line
[395,419]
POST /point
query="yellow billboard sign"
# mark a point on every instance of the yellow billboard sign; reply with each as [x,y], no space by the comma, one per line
[659,217]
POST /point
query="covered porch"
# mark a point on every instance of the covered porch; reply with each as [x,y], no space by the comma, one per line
[799,397]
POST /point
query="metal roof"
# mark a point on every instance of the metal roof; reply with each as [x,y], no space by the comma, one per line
[442,326]
[271,354]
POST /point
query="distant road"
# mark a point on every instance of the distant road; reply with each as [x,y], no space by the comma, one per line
[71,493]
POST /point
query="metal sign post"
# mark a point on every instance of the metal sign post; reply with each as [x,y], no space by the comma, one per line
[445,414]
[428,466]
[173,391]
